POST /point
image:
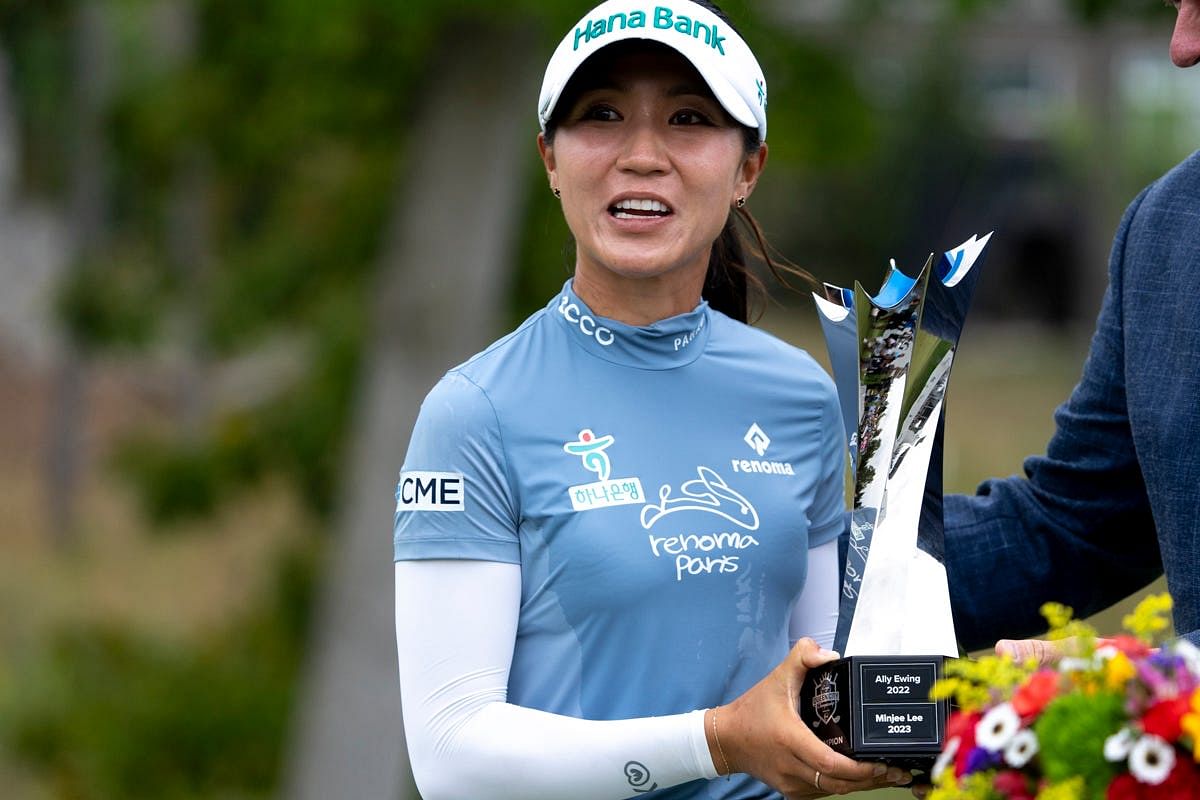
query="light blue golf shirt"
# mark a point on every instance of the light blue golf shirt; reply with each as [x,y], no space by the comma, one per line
[659,487]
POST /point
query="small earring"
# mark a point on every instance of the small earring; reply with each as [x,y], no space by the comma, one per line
[740,202]
[557,191]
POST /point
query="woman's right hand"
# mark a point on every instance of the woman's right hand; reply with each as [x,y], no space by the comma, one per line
[761,733]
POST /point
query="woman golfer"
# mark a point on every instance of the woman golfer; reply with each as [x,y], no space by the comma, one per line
[616,526]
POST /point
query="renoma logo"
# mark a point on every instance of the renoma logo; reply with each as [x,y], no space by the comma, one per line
[662,18]
[586,324]
[758,440]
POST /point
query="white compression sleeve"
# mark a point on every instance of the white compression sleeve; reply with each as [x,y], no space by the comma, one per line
[815,613]
[456,622]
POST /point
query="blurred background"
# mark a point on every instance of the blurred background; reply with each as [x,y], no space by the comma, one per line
[240,241]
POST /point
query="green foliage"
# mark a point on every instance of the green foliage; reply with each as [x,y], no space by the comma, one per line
[36,37]
[295,434]
[1097,11]
[1071,733]
[302,429]
[1090,11]
[103,713]
[817,111]
[179,480]
[112,302]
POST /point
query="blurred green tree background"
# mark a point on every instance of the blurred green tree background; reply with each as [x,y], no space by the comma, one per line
[227,171]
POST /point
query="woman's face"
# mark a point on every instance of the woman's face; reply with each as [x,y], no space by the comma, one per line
[649,165]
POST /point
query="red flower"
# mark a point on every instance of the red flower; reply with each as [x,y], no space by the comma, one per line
[1124,787]
[1162,718]
[1129,645]
[1035,693]
[1013,785]
[962,723]
[1182,784]
[963,726]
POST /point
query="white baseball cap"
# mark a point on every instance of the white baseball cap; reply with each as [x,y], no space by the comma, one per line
[717,52]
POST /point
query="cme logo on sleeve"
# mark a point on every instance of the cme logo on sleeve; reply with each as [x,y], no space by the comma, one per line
[430,491]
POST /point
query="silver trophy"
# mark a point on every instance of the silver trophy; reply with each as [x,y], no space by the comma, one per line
[891,356]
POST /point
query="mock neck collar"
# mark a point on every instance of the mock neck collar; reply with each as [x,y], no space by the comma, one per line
[666,344]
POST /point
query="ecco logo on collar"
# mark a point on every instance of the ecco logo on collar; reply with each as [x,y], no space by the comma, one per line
[586,324]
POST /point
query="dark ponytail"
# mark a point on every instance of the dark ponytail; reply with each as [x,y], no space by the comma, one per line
[725,283]
[729,285]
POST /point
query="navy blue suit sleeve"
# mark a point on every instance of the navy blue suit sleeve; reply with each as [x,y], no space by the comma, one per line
[1077,529]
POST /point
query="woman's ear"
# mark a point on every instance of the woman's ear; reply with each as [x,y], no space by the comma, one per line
[546,151]
[752,167]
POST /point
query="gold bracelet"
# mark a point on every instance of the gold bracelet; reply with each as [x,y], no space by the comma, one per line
[720,749]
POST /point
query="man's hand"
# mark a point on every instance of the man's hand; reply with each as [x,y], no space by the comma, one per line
[1046,653]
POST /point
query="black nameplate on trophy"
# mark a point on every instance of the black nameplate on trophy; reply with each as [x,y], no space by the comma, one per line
[877,708]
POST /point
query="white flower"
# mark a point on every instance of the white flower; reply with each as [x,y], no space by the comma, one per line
[1117,746]
[1151,759]
[946,759]
[1022,748]
[1073,664]
[997,727]
[1105,653]
[1190,654]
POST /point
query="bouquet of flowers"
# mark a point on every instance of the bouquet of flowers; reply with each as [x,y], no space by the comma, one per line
[1115,719]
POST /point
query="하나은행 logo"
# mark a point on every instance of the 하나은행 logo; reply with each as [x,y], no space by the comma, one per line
[591,448]
[604,493]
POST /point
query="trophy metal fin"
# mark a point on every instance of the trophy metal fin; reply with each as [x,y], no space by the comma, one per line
[885,341]
[841,340]
[946,307]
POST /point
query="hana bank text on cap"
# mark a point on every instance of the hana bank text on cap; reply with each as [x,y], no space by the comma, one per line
[717,52]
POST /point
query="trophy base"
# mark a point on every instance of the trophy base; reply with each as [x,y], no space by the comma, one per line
[877,708]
